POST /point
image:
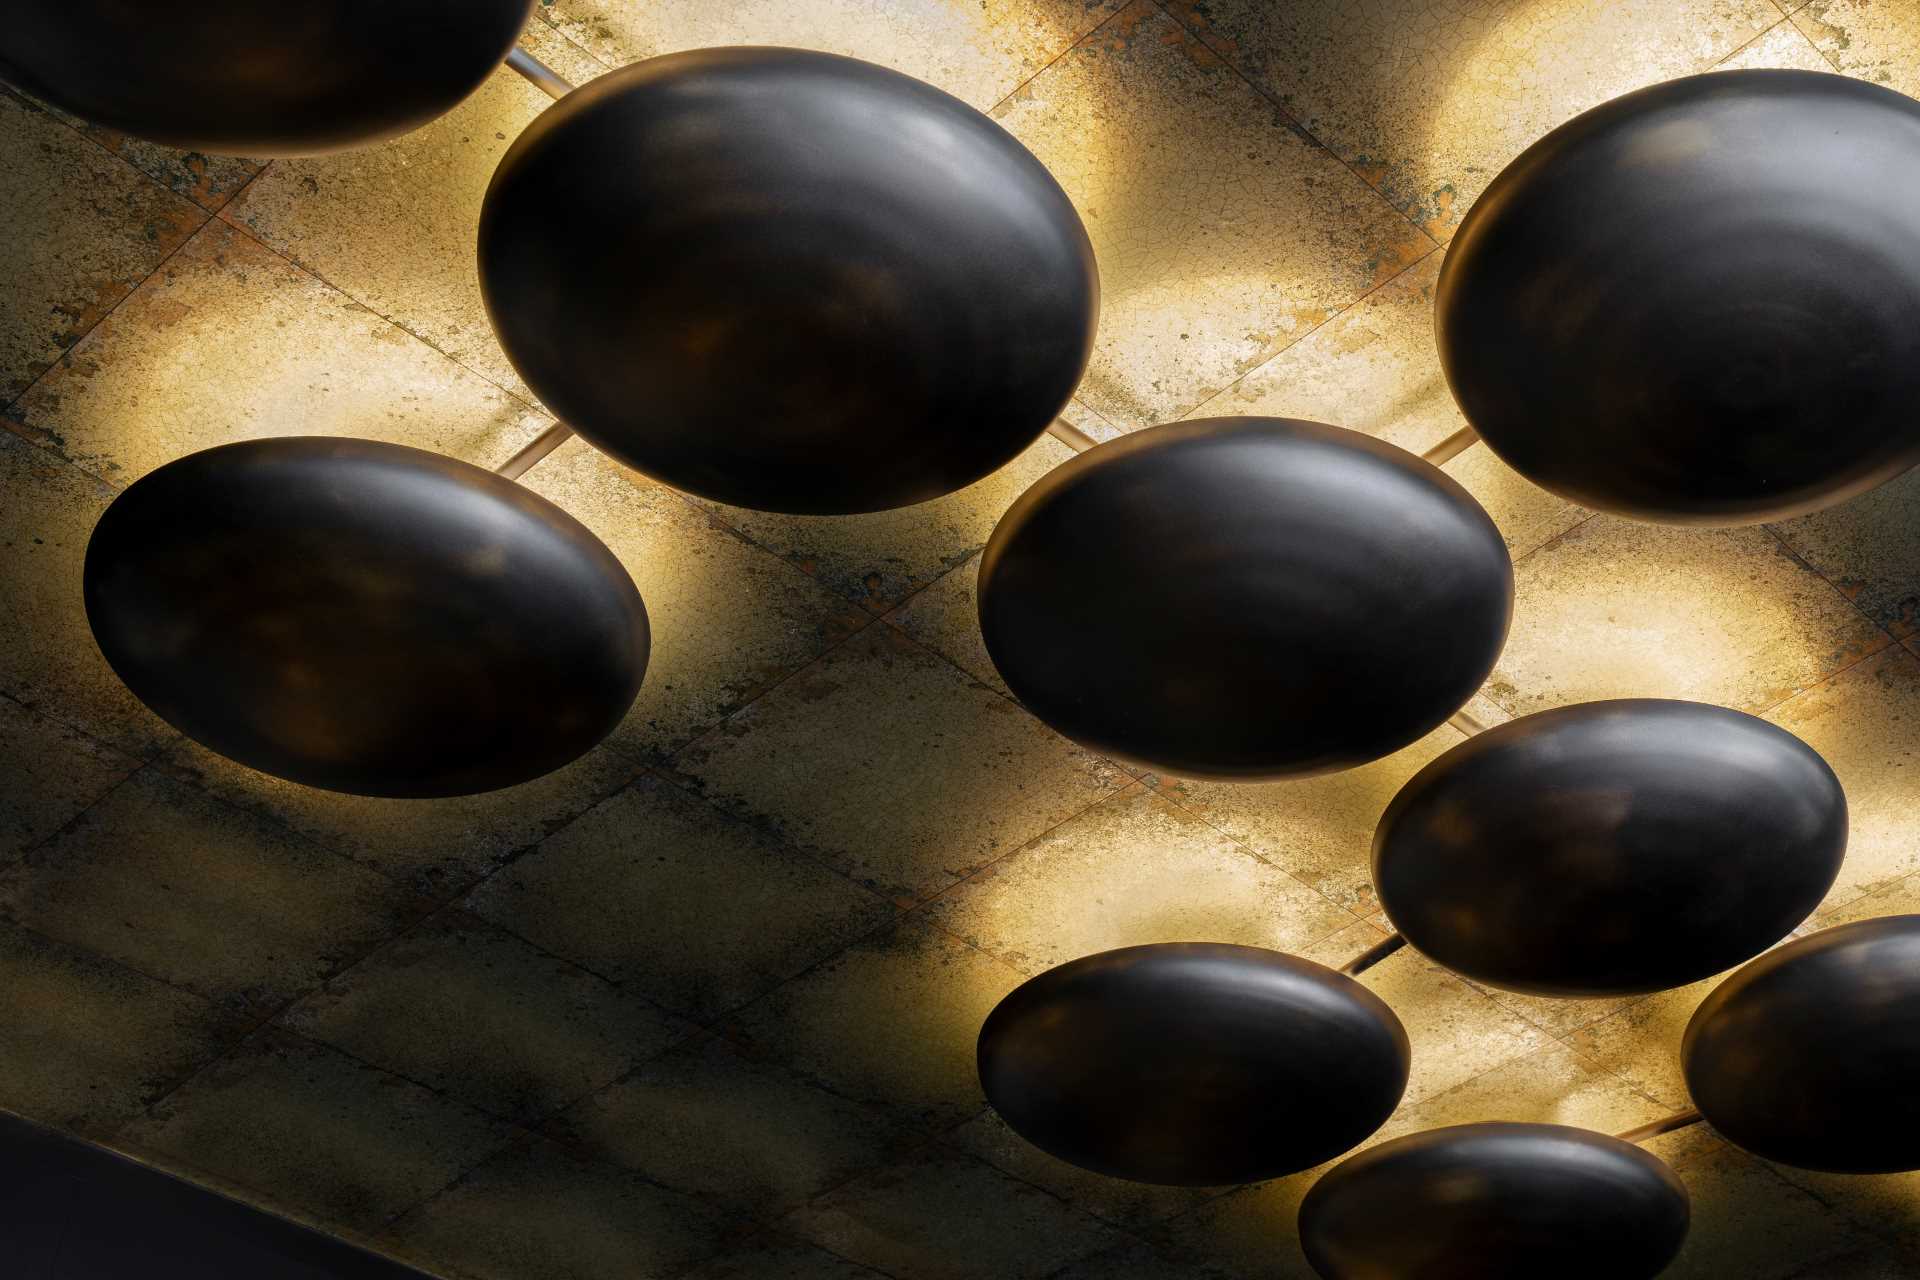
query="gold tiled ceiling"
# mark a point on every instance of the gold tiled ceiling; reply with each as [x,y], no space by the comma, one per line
[703,1003]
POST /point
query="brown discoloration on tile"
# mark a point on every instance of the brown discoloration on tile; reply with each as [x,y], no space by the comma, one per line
[752,1137]
[306,1127]
[1616,609]
[977,50]
[661,893]
[728,620]
[891,1021]
[392,225]
[1457,1032]
[1528,516]
[1431,98]
[537,1212]
[189,891]
[1131,870]
[1869,547]
[879,558]
[232,342]
[208,181]
[86,1044]
[1222,234]
[1784,46]
[84,229]
[1877,40]
[1865,723]
[481,1016]
[914,775]
[945,1216]
[49,774]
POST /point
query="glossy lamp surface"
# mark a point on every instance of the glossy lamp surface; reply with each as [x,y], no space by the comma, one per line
[1611,848]
[364,617]
[258,77]
[1496,1202]
[788,280]
[1809,1055]
[1195,1064]
[1699,302]
[1245,598]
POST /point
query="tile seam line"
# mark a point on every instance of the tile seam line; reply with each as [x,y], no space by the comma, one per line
[1295,122]
[1793,553]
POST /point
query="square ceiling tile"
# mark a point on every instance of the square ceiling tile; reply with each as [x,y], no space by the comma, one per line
[83,230]
[1749,1222]
[1641,1043]
[536,1212]
[977,50]
[945,617]
[885,762]
[208,181]
[48,660]
[193,892]
[48,775]
[86,1044]
[230,341]
[879,558]
[1869,547]
[1120,1201]
[477,1014]
[750,1136]
[1865,722]
[316,1132]
[661,893]
[1133,869]
[728,620]
[1870,39]
[941,1215]
[893,1020]
[1320,830]
[1429,99]
[1457,1033]
[1617,609]
[392,225]
[1222,234]
[436,846]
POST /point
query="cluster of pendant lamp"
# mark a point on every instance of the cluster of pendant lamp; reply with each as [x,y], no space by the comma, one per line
[798,282]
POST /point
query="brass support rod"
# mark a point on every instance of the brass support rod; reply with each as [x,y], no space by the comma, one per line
[534,450]
[1071,436]
[1679,1120]
[1452,447]
[1373,955]
[544,77]
[1466,723]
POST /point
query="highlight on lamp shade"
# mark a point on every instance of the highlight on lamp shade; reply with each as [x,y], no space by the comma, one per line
[1611,848]
[242,77]
[1693,304]
[364,617]
[787,280]
[1496,1202]
[1808,1055]
[1194,1064]
[1245,598]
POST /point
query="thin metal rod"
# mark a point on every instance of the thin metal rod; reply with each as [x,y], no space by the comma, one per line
[1678,1120]
[1452,447]
[1071,436]
[544,77]
[537,448]
[1466,723]
[1373,955]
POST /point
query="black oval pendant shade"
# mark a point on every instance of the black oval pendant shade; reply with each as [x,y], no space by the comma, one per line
[1699,302]
[1809,1055]
[1195,1064]
[258,77]
[1245,598]
[364,617]
[1496,1202]
[1611,848]
[788,280]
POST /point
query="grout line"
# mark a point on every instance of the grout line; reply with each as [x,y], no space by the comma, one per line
[1748,44]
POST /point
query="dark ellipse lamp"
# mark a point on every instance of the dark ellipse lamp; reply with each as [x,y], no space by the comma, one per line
[787,280]
[1245,598]
[1496,1202]
[1699,302]
[364,617]
[258,77]
[1193,1064]
[1808,1055]
[1611,848]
